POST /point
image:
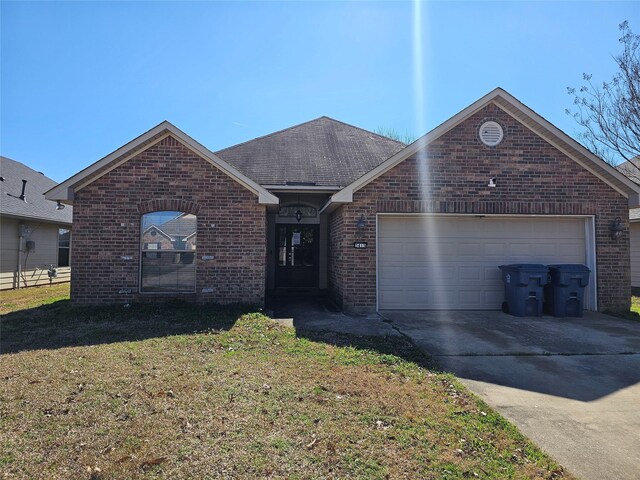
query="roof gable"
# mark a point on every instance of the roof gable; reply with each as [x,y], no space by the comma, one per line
[321,152]
[64,191]
[525,116]
[34,205]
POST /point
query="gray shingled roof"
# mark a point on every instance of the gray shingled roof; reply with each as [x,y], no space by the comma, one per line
[324,152]
[633,173]
[631,168]
[182,226]
[34,204]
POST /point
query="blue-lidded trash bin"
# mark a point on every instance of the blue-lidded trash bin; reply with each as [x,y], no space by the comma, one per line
[524,288]
[564,294]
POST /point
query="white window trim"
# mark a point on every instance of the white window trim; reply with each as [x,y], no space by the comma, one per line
[58,247]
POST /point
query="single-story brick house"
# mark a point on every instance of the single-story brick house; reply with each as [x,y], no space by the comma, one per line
[325,205]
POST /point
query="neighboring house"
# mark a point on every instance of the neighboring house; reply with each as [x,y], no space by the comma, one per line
[325,205]
[34,234]
[631,168]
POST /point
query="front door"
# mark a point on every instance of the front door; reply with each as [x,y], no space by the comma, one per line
[297,256]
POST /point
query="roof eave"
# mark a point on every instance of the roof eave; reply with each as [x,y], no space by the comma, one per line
[342,197]
[34,218]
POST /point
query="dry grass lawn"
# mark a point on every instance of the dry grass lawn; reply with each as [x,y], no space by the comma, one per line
[634,311]
[635,304]
[186,392]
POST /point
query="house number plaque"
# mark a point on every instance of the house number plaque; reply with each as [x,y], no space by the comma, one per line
[360,245]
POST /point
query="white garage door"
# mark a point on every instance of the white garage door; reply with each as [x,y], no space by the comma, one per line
[452,262]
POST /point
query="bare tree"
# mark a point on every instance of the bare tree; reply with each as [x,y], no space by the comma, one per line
[610,113]
[393,134]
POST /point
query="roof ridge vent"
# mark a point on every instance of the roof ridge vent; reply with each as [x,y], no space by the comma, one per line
[491,133]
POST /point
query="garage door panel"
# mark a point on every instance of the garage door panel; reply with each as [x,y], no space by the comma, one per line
[430,275]
[492,274]
[444,248]
[452,262]
[390,247]
[493,249]
[444,298]
[519,249]
[391,273]
[571,251]
[548,229]
[469,299]
[392,298]
[417,297]
[545,250]
[500,229]
[494,297]
[470,249]
[470,273]
[420,279]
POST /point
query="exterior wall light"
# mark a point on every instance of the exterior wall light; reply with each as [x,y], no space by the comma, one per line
[492,182]
[298,215]
[616,228]
[361,223]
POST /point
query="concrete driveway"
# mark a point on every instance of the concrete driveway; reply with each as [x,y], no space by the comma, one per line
[571,385]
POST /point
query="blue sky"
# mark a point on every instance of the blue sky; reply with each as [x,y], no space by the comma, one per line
[80,79]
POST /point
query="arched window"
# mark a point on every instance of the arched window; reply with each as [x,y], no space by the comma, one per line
[168,251]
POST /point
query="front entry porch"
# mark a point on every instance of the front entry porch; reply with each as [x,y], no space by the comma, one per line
[297,242]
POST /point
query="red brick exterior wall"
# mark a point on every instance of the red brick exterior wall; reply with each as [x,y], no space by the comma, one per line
[167,176]
[533,178]
[335,262]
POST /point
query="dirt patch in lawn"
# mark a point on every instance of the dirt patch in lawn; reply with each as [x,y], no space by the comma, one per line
[232,395]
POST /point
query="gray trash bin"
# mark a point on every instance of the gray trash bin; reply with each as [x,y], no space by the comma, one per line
[524,288]
[564,294]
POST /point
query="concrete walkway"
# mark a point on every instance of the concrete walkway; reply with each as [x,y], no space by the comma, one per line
[571,385]
[317,314]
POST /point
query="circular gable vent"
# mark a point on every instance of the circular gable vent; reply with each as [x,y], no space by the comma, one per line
[491,134]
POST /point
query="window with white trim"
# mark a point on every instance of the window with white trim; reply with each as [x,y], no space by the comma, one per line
[168,252]
[64,246]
